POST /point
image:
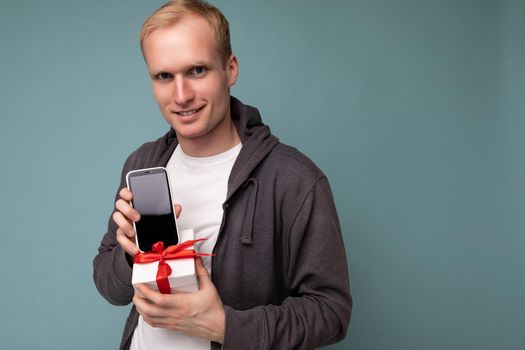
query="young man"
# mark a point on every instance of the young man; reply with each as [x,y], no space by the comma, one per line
[279,277]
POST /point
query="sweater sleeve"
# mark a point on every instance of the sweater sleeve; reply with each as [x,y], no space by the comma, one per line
[111,268]
[317,311]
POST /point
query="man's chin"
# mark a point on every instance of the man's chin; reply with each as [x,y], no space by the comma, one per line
[188,133]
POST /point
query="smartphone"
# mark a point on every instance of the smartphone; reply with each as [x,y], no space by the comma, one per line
[152,198]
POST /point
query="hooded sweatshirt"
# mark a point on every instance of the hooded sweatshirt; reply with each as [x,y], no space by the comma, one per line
[280,264]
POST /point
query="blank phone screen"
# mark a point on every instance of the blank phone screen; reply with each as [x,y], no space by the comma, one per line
[152,199]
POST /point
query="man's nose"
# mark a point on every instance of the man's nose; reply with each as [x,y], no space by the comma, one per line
[182,91]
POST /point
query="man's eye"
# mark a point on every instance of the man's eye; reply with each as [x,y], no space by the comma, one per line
[200,70]
[163,76]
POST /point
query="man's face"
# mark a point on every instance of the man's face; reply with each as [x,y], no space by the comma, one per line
[190,80]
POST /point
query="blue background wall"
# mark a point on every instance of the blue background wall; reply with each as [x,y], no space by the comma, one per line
[414,109]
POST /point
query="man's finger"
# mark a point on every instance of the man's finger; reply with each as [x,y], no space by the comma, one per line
[178,209]
[123,224]
[127,245]
[154,296]
[202,273]
[127,210]
[125,194]
[147,309]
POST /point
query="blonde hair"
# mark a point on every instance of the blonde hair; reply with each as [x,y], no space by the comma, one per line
[171,12]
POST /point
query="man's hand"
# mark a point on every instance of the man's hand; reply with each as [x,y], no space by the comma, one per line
[124,216]
[198,314]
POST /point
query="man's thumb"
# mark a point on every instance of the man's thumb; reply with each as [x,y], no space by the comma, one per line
[202,272]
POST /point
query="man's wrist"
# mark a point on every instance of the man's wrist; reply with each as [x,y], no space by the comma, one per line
[219,337]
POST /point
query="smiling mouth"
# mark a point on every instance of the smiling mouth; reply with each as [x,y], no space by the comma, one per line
[189,112]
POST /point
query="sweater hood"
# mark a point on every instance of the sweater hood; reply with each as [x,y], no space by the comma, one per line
[257,142]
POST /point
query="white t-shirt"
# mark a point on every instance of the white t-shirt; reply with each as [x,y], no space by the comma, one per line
[199,185]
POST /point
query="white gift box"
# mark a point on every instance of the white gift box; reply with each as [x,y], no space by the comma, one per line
[183,277]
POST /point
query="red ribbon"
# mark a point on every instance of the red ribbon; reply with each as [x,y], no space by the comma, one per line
[160,254]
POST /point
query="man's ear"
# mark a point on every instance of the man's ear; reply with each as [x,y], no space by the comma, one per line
[232,70]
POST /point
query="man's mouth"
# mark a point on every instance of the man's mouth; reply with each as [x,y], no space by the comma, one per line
[189,112]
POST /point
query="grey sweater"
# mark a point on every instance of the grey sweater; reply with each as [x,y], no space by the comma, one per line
[280,266]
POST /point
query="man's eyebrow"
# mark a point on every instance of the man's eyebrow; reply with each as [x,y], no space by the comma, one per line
[200,63]
[157,72]
[188,67]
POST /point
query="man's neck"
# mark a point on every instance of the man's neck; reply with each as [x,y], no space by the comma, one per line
[219,140]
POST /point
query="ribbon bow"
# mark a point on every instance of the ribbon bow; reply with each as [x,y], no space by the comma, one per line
[160,254]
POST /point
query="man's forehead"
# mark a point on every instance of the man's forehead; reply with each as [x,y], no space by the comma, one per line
[187,28]
[180,47]
[191,37]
